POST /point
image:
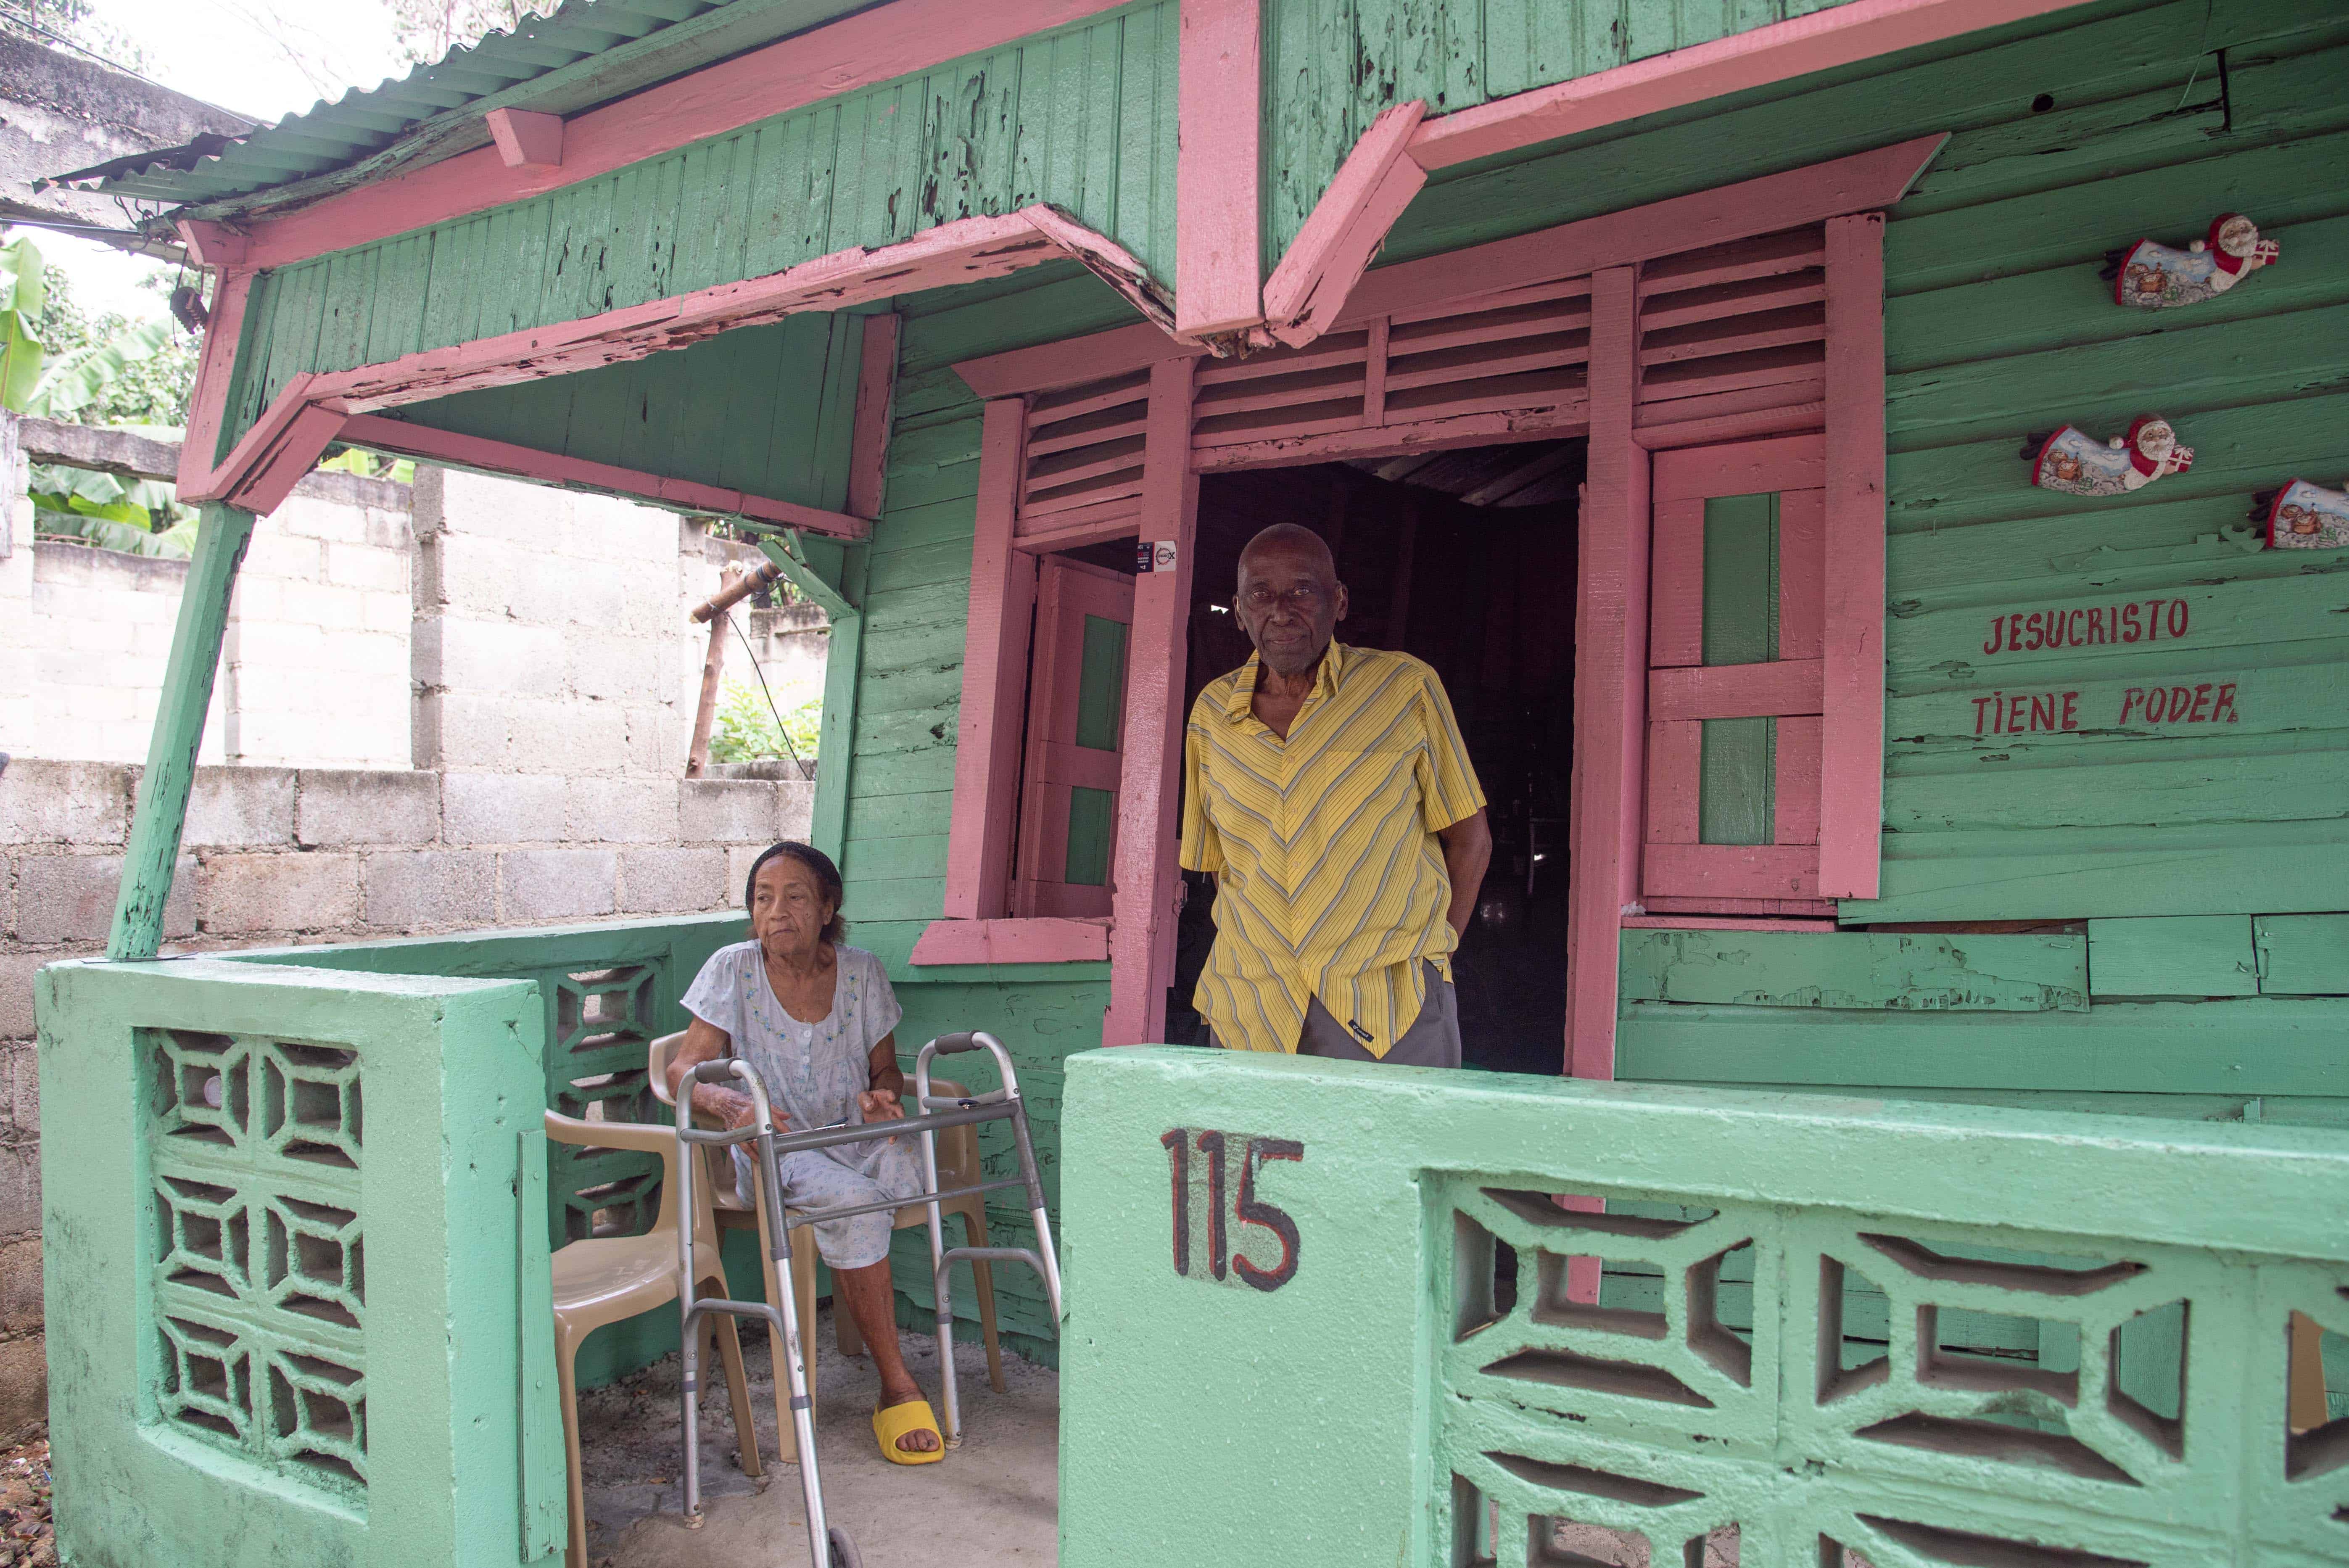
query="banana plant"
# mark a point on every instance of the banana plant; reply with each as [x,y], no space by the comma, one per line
[23,296]
[74,381]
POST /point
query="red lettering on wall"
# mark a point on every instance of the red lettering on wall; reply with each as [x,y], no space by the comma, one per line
[2225,703]
[2129,700]
[2129,622]
[2071,710]
[2178,618]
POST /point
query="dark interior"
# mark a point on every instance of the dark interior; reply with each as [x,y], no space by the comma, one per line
[1466,559]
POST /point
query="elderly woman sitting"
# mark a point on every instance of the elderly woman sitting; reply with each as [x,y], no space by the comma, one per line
[815,1019]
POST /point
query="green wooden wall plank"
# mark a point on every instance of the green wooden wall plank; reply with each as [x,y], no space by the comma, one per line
[1907,972]
[2286,867]
[2255,1046]
[2302,955]
[2061,793]
[2178,955]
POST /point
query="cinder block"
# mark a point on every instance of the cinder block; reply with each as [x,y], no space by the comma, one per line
[20,1285]
[241,808]
[70,897]
[489,577]
[16,971]
[502,809]
[619,668]
[671,881]
[799,807]
[431,888]
[20,1191]
[24,1091]
[729,811]
[479,505]
[254,893]
[576,739]
[358,566]
[739,861]
[656,739]
[63,802]
[333,807]
[557,884]
[24,1389]
[621,810]
[493,655]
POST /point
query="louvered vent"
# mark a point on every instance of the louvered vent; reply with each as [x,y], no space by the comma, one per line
[1084,448]
[1522,352]
[1733,328]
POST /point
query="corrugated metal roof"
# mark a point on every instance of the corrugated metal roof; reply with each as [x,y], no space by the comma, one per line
[588,52]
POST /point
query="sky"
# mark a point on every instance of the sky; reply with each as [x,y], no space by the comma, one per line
[261,58]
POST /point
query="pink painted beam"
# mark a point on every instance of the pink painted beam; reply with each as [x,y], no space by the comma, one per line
[1733,871]
[1723,923]
[298,445]
[1863,181]
[253,450]
[1851,803]
[994,681]
[1346,228]
[1218,266]
[1611,679]
[1794,797]
[1738,908]
[1777,52]
[458,451]
[1072,361]
[1145,874]
[1012,942]
[1748,468]
[526,138]
[211,244]
[877,386]
[1734,691]
[1675,781]
[1108,261]
[215,368]
[874,46]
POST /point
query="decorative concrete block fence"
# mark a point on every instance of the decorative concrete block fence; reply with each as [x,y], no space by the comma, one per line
[298,1306]
[1295,1336]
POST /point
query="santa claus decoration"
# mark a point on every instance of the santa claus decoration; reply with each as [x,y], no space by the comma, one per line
[2077,463]
[2150,275]
[2304,516]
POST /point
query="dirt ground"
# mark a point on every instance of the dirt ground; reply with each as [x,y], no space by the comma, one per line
[992,1502]
[25,1539]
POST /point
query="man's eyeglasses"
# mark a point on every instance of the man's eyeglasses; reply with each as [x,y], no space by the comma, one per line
[1305,598]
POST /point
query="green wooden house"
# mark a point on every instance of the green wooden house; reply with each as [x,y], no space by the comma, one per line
[1704,389]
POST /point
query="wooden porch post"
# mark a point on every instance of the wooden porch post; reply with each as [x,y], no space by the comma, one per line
[187,675]
[832,575]
[1610,677]
[1145,873]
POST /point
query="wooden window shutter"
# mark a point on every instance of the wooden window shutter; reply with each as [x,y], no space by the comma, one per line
[1076,711]
[1081,455]
[1736,646]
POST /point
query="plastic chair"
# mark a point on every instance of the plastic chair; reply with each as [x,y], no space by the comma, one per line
[605,1279]
[957,1167]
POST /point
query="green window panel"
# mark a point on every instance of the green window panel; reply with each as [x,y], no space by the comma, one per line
[1100,688]
[1737,788]
[1091,817]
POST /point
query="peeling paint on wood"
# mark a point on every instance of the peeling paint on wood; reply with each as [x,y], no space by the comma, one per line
[1910,973]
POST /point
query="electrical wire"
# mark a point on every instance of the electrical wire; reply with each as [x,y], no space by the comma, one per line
[26,19]
[752,655]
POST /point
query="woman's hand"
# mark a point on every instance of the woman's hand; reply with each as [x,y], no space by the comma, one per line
[880,1105]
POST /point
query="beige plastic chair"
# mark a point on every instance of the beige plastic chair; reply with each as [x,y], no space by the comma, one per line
[957,1167]
[605,1279]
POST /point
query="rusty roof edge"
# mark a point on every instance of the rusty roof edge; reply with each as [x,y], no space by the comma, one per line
[606,76]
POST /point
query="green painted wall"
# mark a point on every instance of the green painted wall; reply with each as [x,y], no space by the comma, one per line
[1332,65]
[1082,118]
[1425,1359]
[767,411]
[1997,325]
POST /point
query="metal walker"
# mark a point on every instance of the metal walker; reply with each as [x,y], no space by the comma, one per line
[828,1545]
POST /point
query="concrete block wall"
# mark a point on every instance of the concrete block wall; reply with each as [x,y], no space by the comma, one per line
[276,856]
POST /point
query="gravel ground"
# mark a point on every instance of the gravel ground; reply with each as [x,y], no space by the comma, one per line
[26,1540]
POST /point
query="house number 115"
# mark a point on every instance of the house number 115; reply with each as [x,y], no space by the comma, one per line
[1226,1166]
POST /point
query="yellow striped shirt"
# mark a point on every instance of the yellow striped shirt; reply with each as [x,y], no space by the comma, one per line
[1331,880]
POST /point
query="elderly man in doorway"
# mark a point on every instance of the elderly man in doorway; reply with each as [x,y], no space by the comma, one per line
[1328,789]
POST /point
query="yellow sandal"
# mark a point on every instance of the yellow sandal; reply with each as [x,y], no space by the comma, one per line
[891,1422]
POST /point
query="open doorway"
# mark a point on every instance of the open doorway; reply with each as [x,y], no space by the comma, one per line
[1466,559]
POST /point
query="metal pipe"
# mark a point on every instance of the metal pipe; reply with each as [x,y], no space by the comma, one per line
[733,594]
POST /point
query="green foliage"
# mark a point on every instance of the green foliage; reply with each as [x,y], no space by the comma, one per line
[427,30]
[74,381]
[24,297]
[76,22]
[746,730]
[108,370]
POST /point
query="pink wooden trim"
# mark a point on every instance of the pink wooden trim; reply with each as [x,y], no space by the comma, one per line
[526,138]
[1851,807]
[1734,691]
[1720,923]
[381,434]
[877,386]
[1665,435]
[300,444]
[1219,257]
[1568,417]
[994,681]
[1747,468]
[1802,573]
[1066,592]
[874,46]
[1374,373]
[1095,524]
[1794,796]
[1142,937]
[1107,260]
[212,245]
[1610,639]
[1733,871]
[251,449]
[1012,942]
[1675,777]
[1676,595]
[1346,227]
[215,369]
[1704,218]
[1739,907]
[1071,361]
[1773,53]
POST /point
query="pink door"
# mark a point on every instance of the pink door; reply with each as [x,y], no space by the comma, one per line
[1076,716]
